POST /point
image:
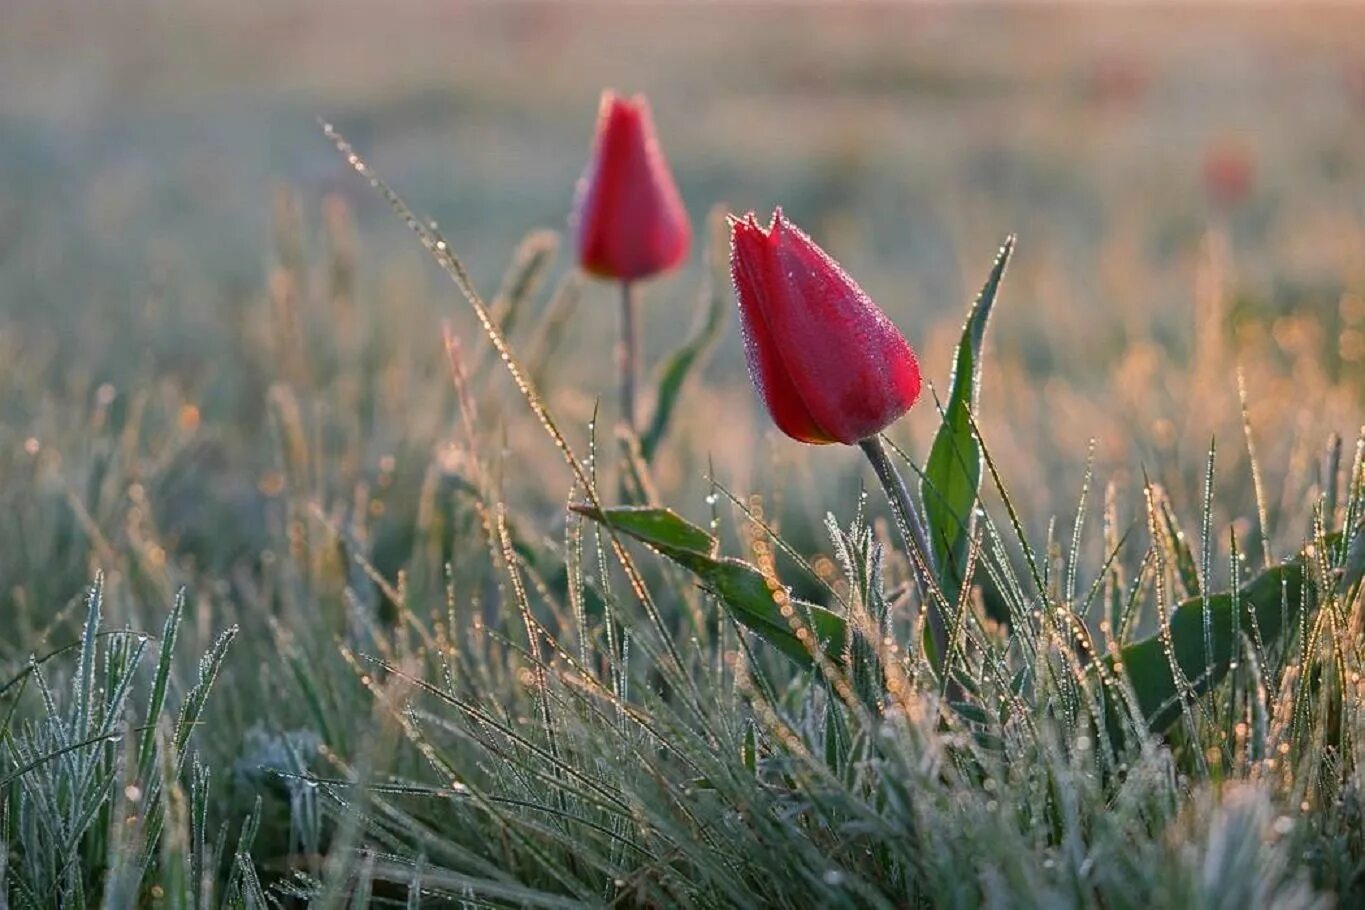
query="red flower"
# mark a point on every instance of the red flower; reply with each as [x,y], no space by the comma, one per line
[828,363]
[1229,172]
[628,218]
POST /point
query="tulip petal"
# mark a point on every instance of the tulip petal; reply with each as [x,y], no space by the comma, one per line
[749,256]
[858,373]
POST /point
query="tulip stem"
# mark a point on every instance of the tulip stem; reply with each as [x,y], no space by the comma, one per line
[916,541]
[628,355]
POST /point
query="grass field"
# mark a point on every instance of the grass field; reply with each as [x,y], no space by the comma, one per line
[397,668]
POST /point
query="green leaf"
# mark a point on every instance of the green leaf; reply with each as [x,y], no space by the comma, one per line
[741,587]
[662,529]
[952,475]
[1261,607]
[680,364]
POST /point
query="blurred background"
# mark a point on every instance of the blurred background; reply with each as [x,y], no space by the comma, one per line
[189,274]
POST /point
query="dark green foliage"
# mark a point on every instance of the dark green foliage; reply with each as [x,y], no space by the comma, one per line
[1257,617]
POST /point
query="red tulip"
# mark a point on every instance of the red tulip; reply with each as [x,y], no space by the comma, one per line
[1229,172]
[828,363]
[628,217]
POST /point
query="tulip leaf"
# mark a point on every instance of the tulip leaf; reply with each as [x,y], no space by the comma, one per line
[674,372]
[1265,610]
[662,529]
[952,475]
[741,587]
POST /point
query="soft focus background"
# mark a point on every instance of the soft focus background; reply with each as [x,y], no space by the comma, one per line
[177,239]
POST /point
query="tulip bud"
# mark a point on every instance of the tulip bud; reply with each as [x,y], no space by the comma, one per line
[827,362]
[1229,172]
[629,221]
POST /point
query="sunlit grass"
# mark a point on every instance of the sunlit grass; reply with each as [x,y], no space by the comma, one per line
[429,680]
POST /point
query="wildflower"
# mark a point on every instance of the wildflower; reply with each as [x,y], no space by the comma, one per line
[827,362]
[1229,173]
[629,221]
[830,367]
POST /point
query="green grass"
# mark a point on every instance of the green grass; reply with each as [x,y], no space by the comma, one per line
[294,607]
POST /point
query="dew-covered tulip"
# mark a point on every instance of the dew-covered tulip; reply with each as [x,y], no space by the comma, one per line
[829,365]
[629,221]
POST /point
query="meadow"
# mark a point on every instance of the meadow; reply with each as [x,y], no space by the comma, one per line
[295,610]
